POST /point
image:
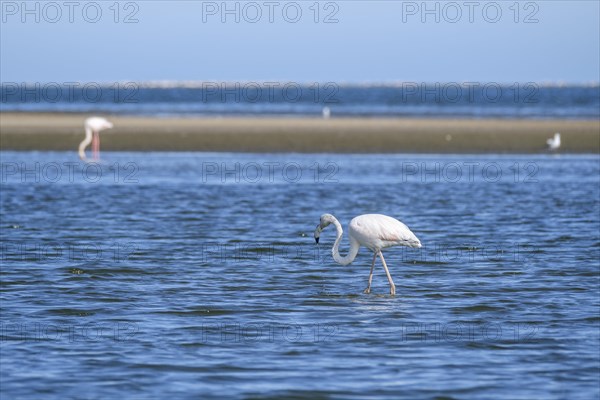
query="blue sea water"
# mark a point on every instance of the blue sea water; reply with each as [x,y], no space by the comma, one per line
[413,99]
[195,275]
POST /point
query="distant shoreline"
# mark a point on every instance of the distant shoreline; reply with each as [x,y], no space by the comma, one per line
[62,131]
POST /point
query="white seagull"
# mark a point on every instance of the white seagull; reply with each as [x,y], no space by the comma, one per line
[326,112]
[373,231]
[554,143]
[93,126]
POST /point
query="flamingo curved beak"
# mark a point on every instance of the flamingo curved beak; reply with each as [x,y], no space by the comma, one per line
[318,233]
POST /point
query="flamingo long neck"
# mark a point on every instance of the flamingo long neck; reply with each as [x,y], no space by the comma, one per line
[335,251]
[85,143]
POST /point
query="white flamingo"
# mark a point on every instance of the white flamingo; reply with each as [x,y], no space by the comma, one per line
[373,231]
[554,143]
[93,126]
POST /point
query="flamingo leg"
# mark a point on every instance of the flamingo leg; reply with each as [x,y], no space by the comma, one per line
[368,289]
[96,145]
[387,272]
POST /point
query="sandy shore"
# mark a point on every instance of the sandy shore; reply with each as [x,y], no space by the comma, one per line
[33,131]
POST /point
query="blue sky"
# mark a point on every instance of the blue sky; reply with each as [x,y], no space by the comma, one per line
[365,41]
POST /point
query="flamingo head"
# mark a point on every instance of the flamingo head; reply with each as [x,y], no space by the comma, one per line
[326,220]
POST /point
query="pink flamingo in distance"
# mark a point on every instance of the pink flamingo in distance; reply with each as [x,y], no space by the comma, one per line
[93,126]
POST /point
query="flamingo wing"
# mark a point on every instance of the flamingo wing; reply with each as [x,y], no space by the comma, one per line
[376,231]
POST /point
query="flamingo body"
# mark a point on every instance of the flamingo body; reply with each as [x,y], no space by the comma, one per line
[377,232]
